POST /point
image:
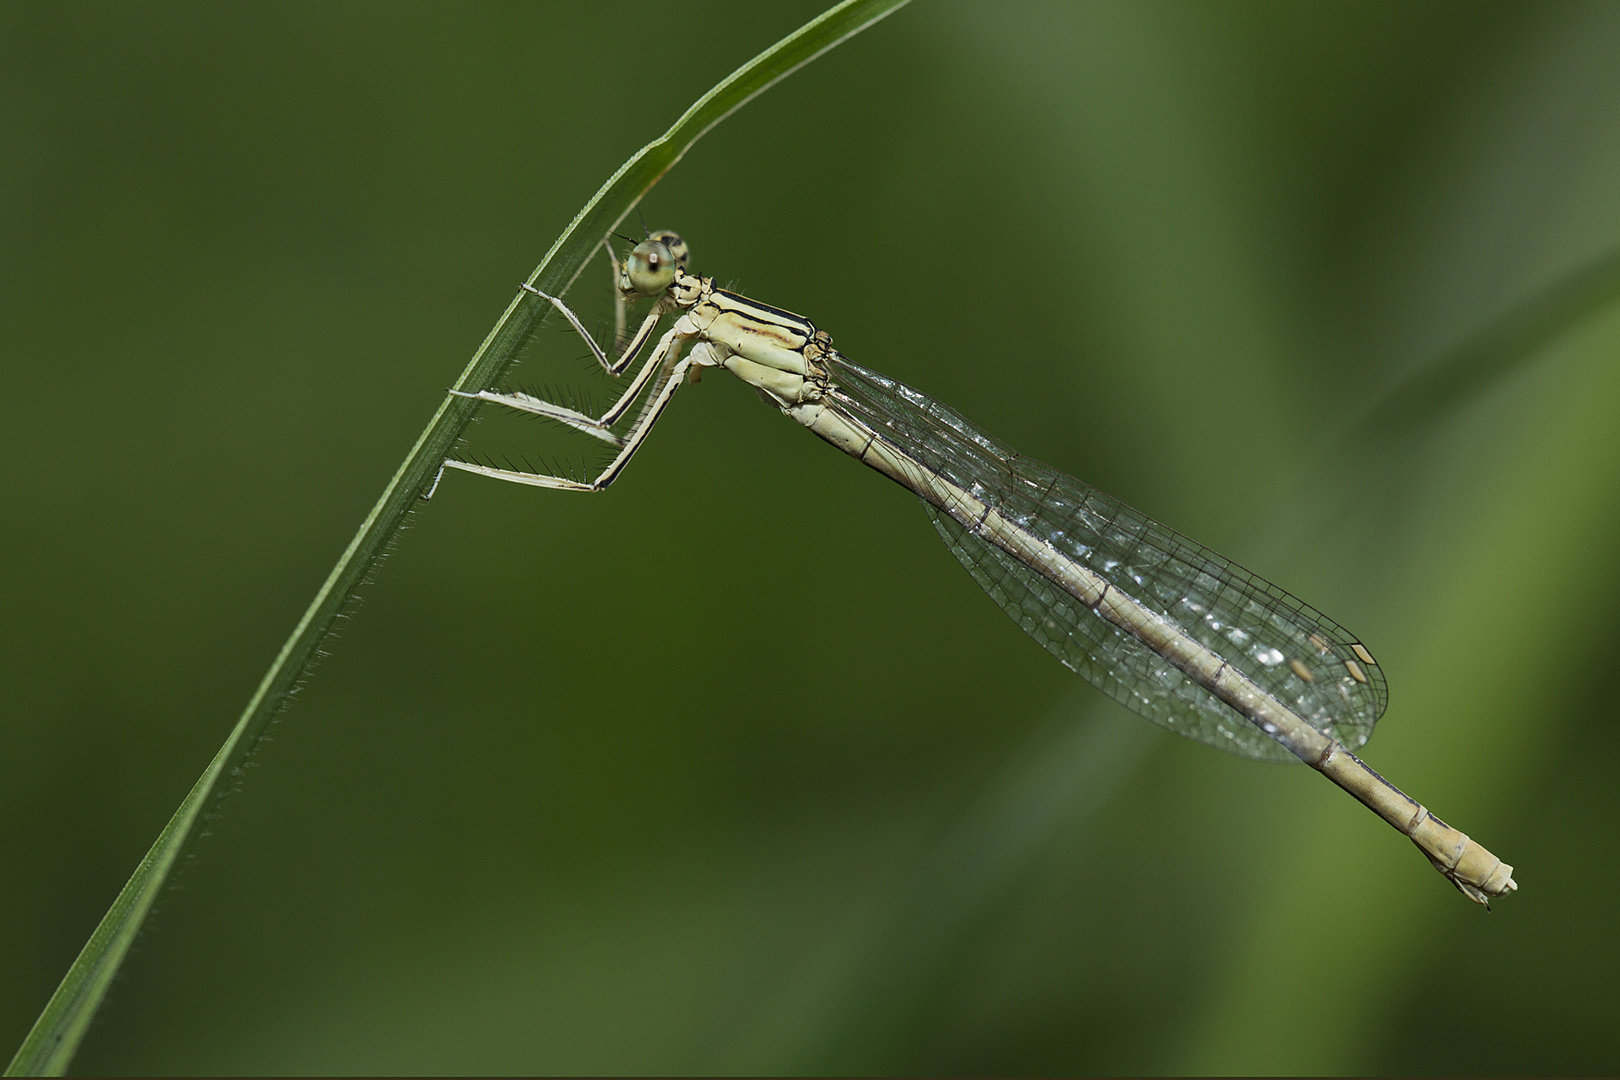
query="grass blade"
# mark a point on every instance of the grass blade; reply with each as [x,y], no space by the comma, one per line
[50,1045]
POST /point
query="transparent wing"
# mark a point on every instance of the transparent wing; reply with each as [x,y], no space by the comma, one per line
[1305,660]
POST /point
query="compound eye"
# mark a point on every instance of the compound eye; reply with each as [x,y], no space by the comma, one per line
[650,267]
[675,243]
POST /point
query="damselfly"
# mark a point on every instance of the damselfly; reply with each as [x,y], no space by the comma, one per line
[1165,626]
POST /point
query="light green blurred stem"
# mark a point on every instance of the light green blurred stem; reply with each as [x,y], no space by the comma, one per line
[1520,335]
[55,1037]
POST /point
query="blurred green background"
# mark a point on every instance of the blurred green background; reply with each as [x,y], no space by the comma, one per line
[734,769]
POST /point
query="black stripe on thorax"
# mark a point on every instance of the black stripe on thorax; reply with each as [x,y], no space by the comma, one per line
[784,318]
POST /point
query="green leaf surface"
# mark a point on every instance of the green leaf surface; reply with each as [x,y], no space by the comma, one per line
[55,1036]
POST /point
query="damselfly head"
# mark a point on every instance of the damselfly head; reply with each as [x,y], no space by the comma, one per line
[653,264]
